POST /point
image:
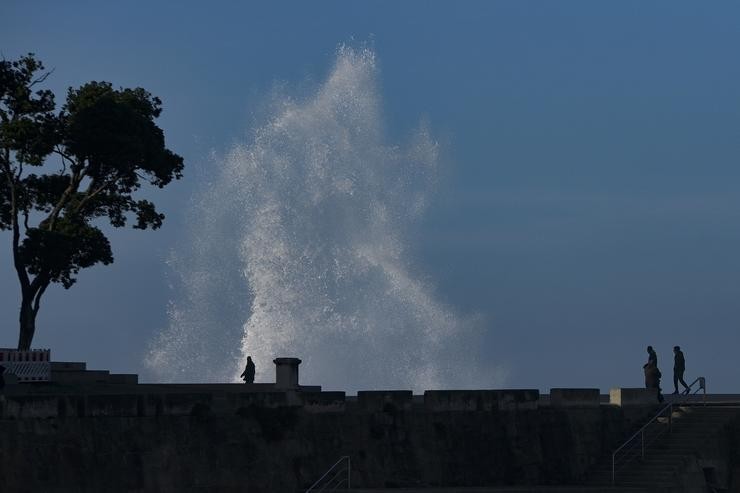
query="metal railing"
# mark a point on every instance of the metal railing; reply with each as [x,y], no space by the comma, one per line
[338,476]
[635,445]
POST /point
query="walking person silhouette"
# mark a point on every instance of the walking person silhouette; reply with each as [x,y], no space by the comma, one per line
[248,374]
[679,367]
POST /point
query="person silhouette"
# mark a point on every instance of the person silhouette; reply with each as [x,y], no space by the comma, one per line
[679,366]
[652,373]
[652,356]
[248,374]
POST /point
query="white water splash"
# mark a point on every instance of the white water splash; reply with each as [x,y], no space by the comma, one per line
[304,235]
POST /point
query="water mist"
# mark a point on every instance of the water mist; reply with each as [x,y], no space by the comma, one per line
[299,248]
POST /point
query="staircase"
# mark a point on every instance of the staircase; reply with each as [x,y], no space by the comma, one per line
[654,460]
[679,440]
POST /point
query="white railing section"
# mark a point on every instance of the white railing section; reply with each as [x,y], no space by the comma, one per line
[636,445]
[337,477]
[29,366]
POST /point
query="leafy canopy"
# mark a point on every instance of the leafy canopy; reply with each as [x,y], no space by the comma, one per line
[108,146]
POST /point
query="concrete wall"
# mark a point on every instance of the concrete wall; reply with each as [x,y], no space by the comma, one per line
[229,439]
[717,461]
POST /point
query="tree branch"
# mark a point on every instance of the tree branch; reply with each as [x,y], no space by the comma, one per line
[89,195]
[65,157]
[74,183]
[41,79]
[64,166]
[37,297]
[20,269]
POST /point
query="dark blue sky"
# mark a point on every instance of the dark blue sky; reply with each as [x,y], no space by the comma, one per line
[589,203]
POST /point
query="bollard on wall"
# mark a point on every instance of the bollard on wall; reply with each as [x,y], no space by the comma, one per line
[286,372]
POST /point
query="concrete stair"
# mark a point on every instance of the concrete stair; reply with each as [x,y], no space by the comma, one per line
[668,455]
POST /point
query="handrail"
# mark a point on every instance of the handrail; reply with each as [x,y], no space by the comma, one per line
[702,386]
[684,396]
[337,473]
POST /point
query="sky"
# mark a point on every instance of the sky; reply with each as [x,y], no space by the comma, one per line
[588,199]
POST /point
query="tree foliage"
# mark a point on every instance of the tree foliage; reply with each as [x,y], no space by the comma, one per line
[106,146]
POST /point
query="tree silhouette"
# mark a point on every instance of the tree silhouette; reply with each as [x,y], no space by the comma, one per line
[108,145]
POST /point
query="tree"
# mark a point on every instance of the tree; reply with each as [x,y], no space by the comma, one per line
[107,146]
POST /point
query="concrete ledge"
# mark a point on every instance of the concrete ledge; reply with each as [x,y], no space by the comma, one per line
[518,399]
[481,400]
[68,366]
[378,400]
[232,388]
[124,404]
[626,397]
[259,399]
[460,400]
[575,397]
[69,373]
[123,378]
[86,377]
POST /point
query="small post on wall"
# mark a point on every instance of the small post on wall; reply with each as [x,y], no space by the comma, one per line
[286,373]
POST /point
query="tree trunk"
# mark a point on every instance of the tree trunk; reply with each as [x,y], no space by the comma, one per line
[28,324]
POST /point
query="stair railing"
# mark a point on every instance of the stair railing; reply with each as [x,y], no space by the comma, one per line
[338,476]
[647,434]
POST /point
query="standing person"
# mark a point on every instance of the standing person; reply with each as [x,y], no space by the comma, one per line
[248,374]
[652,373]
[652,356]
[679,366]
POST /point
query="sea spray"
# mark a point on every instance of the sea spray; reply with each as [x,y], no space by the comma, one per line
[300,248]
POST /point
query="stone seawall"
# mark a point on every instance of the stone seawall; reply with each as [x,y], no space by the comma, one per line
[231,438]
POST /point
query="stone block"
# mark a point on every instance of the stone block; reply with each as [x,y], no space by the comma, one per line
[323,402]
[183,404]
[123,378]
[28,406]
[259,399]
[461,400]
[309,388]
[626,397]
[72,405]
[575,397]
[518,399]
[379,400]
[151,405]
[68,366]
[112,405]
[80,376]
[481,400]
